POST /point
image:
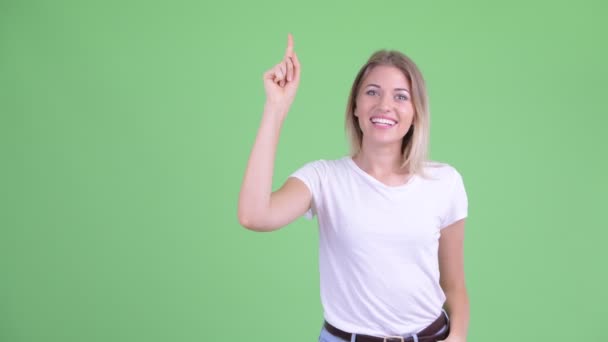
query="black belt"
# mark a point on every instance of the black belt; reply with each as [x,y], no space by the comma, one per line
[437,330]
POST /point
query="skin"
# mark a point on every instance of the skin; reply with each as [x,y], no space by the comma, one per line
[451,269]
[262,210]
[385,91]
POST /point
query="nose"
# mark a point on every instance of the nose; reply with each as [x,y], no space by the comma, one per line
[385,103]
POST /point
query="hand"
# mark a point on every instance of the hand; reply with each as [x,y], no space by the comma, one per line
[454,339]
[281,82]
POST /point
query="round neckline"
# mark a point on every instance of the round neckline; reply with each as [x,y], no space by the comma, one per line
[411,180]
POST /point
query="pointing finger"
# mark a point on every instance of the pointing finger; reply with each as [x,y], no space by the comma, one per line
[296,66]
[289,63]
[295,60]
[289,50]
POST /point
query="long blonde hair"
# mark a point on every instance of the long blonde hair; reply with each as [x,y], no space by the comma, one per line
[415,143]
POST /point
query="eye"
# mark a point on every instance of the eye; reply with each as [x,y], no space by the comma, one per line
[402,97]
[371,92]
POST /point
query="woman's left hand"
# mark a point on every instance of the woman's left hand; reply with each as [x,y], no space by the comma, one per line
[454,339]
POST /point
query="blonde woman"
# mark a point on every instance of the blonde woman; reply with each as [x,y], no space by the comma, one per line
[391,222]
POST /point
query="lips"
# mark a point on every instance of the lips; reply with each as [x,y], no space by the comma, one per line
[384,121]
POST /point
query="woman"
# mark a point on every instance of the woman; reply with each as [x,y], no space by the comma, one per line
[390,221]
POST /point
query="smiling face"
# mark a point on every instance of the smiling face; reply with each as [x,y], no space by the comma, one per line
[384,106]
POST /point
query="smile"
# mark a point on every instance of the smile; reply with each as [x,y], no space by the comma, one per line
[383,121]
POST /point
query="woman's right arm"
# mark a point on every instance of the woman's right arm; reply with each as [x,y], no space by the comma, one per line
[259,208]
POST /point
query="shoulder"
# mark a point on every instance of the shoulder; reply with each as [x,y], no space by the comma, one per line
[441,171]
[328,165]
[320,169]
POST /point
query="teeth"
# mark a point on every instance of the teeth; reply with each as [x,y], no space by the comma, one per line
[383,121]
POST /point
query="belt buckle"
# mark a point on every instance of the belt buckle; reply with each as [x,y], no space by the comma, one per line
[390,338]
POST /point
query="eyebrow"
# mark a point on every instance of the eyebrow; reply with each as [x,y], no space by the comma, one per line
[377,86]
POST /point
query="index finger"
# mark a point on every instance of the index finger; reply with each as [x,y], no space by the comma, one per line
[289,51]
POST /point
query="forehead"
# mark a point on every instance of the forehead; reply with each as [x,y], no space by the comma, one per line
[386,76]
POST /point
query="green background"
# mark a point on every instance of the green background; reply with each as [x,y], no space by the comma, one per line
[125,129]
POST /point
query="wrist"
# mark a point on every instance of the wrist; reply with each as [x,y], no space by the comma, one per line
[277,112]
[277,108]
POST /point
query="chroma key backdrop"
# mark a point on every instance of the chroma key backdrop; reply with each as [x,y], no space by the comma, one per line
[125,129]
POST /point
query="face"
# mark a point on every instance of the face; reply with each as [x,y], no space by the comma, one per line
[384,106]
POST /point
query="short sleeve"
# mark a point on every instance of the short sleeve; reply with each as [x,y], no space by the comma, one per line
[311,175]
[457,207]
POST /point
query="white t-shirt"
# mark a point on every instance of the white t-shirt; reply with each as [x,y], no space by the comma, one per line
[378,244]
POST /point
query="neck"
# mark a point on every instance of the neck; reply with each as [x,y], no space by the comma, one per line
[380,159]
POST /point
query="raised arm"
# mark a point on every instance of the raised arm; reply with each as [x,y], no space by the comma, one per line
[259,208]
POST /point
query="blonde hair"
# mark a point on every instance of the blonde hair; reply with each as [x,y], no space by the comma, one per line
[415,142]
